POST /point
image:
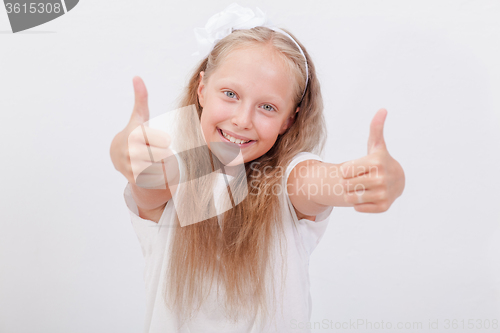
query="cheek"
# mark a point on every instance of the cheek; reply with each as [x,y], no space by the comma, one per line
[218,112]
[271,125]
[268,129]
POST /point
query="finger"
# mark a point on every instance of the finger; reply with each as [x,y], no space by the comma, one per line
[354,197]
[367,181]
[152,136]
[145,169]
[368,196]
[148,168]
[140,114]
[152,175]
[157,138]
[168,166]
[148,181]
[147,153]
[370,208]
[359,167]
[376,137]
[141,147]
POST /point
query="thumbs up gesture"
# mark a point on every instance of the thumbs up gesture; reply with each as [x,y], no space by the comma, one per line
[138,151]
[372,183]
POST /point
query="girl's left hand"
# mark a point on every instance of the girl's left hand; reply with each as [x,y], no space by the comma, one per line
[372,183]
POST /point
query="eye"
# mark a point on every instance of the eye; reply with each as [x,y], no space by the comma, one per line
[230,92]
[271,108]
[267,107]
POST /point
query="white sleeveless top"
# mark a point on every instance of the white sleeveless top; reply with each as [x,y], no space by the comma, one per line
[302,236]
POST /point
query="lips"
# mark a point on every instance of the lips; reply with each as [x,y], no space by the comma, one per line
[238,137]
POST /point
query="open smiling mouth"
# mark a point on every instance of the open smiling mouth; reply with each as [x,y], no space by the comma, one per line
[225,137]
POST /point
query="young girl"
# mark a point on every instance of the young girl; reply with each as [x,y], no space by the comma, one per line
[242,269]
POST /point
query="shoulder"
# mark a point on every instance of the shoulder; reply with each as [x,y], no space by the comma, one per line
[300,160]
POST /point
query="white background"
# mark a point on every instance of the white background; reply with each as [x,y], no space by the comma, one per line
[69,258]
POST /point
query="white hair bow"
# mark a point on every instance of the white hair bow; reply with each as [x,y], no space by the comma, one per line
[222,24]
[232,18]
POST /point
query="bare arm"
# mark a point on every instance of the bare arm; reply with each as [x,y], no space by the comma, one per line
[369,184]
[313,186]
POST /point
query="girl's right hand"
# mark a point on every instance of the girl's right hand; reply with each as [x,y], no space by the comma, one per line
[140,152]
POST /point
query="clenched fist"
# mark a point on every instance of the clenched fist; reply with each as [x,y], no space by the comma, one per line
[373,182]
[141,153]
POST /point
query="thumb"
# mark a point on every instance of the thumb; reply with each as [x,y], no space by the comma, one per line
[376,138]
[140,114]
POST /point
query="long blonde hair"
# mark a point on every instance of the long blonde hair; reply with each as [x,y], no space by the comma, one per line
[237,256]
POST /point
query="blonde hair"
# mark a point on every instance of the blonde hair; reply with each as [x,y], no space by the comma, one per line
[237,256]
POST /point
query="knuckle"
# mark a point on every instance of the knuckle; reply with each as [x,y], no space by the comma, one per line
[383,186]
[382,196]
[378,181]
[137,134]
[132,137]
[376,167]
[375,162]
[359,188]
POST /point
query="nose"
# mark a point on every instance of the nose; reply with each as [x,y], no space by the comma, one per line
[242,116]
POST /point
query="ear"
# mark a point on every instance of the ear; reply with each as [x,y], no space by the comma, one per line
[288,122]
[200,91]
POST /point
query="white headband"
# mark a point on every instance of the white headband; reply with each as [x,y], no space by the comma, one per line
[235,17]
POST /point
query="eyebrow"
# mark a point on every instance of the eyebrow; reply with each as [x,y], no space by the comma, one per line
[279,102]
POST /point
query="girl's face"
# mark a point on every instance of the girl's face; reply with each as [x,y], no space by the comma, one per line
[248,97]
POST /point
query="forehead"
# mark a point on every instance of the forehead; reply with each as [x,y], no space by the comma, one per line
[258,68]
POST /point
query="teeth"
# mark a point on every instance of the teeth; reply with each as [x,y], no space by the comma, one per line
[233,140]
